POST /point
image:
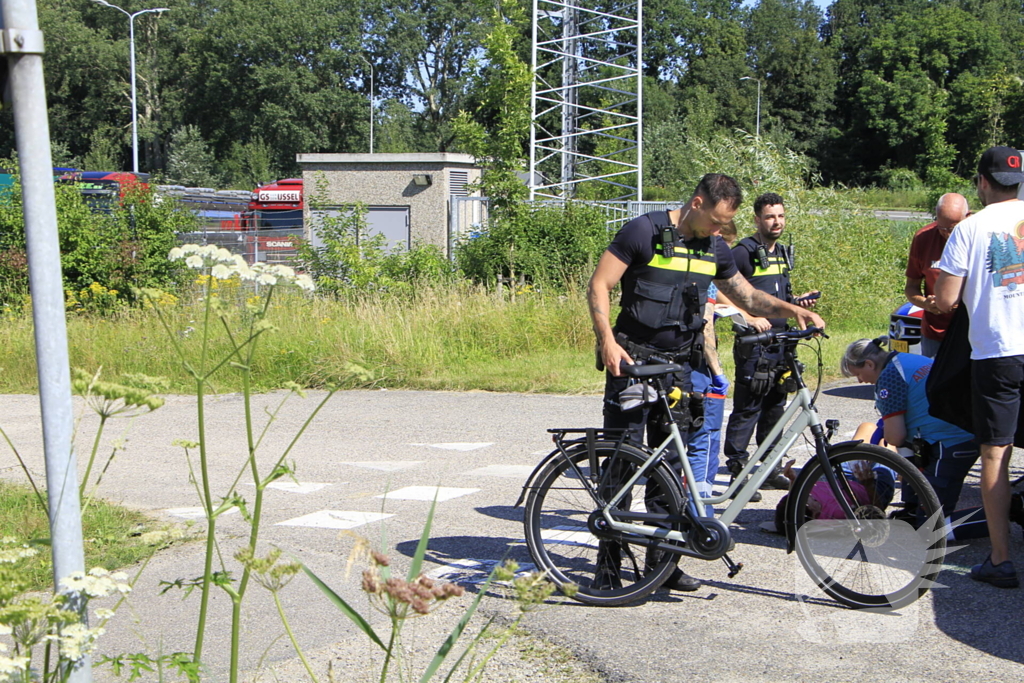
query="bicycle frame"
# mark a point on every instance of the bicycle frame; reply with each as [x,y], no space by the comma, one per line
[798,416]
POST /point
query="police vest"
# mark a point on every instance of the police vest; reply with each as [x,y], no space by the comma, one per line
[671,291]
[771,277]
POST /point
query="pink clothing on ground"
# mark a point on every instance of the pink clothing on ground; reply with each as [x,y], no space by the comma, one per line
[830,507]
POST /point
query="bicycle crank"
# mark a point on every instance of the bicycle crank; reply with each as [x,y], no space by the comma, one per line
[711,538]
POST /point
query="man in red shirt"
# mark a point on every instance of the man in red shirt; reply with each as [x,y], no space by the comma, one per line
[925,252]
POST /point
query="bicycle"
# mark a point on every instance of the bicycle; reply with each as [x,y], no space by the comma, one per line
[600,501]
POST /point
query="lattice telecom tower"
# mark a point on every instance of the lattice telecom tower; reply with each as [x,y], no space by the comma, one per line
[586,118]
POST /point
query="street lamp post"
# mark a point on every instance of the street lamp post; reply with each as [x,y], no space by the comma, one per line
[745,78]
[370,64]
[131,39]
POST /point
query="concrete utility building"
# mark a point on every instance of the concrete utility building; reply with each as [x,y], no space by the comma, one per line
[408,195]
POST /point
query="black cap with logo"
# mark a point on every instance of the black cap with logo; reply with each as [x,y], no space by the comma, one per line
[1002,164]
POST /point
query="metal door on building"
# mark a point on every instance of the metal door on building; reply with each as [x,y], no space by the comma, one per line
[390,221]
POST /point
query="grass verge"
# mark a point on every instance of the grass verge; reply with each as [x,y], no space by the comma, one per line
[459,339]
[112,534]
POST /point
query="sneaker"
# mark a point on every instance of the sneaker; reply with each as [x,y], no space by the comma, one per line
[1002,575]
[681,581]
[776,480]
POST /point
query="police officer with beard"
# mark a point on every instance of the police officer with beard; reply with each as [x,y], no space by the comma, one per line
[759,400]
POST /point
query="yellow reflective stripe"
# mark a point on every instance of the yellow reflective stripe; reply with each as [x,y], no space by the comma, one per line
[677,263]
[773,269]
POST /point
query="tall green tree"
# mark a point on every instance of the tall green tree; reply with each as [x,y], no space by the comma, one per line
[797,71]
[283,70]
[430,51]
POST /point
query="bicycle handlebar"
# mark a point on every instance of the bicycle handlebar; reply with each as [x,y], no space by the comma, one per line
[772,336]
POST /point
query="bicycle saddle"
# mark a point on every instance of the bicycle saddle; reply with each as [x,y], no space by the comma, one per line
[641,371]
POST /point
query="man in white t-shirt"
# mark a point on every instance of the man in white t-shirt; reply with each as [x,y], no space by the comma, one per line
[983,267]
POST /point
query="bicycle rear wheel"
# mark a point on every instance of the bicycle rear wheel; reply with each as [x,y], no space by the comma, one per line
[564,496]
[890,562]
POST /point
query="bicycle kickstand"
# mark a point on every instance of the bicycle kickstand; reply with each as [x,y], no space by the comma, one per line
[734,567]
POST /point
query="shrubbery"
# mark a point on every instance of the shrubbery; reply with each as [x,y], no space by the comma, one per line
[543,244]
[115,251]
[350,261]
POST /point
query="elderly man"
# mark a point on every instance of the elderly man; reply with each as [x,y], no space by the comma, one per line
[922,268]
[981,267]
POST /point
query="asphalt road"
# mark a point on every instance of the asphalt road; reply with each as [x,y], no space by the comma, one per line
[766,624]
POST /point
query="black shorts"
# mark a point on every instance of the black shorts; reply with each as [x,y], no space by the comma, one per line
[996,398]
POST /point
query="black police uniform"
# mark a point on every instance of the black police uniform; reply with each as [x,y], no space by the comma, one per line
[662,311]
[662,306]
[757,406]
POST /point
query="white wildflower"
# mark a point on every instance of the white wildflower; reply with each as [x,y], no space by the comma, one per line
[305,282]
[98,571]
[119,576]
[18,552]
[221,271]
[239,261]
[104,614]
[77,640]
[266,279]
[284,271]
[75,582]
[194,261]
[176,254]
[9,666]
[190,248]
[208,250]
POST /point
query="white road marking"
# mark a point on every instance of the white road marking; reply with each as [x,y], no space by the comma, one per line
[456,446]
[385,465]
[470,571]
[335,519]
[426,493]
[509,471]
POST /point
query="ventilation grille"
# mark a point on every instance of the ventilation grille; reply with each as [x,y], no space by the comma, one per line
[457,182]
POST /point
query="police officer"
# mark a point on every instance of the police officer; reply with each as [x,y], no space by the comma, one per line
[759,400]
[666,261]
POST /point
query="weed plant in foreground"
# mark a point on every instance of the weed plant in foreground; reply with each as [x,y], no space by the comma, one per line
[114,535]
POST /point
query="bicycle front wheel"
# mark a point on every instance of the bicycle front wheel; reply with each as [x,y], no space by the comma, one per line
[891,555]
[599,569]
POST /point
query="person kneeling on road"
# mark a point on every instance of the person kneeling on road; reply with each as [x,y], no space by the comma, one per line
[944,453]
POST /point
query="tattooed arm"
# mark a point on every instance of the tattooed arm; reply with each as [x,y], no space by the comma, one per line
[608,273]
[711,340]
[753,301]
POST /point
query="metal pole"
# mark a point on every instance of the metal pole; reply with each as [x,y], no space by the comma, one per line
[131,49]
[23,43]
[757,131]
[135,111]
[370,64]
[371,108]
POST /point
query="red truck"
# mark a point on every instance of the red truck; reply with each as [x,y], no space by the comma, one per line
[274,215]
